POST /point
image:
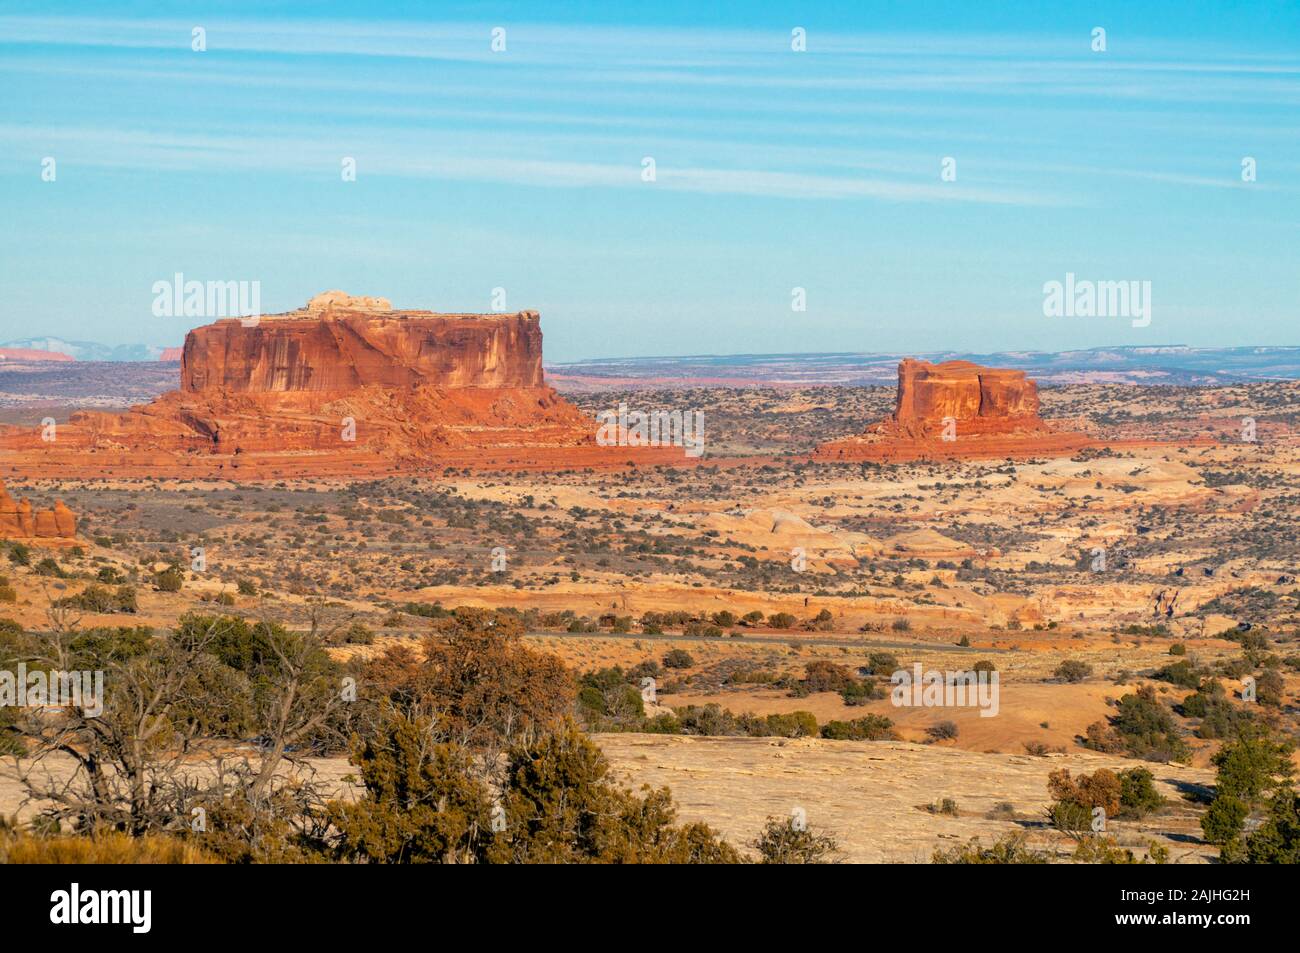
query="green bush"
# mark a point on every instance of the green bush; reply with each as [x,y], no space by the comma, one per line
[1072,670]
[169,580]
[1179,673]
[866,728]
[678,658]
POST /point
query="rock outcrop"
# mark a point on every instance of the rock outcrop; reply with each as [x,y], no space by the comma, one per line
[343,349]
[18,520]
[343,386]
[957,409]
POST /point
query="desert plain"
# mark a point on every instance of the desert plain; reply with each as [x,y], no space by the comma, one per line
[766,579]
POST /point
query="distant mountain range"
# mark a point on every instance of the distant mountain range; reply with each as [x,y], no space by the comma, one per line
[1171,364]
[89,350]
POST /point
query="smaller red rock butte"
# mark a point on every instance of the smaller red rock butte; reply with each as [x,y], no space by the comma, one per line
[989,412]
[19,521]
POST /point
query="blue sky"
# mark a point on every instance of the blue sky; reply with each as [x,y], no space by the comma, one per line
[775,169]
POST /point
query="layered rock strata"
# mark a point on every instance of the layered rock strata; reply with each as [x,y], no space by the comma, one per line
[958,409]
[342,386]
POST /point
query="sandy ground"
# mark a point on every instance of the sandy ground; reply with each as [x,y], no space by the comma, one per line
[871,795]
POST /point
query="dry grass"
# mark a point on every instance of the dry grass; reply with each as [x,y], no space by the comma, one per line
[111,848]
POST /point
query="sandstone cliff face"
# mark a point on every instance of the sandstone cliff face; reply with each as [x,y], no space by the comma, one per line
[19,521]
[988,398]
[343,350]
[342,386]
[957,409]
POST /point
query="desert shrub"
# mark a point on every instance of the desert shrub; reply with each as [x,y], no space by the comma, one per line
[780,620]
[1141,727]
[105,645]
[358,633]
[49,567]
[1250,769]
[169,580]
[1277,839]
[662,724]
[1220,718]
[944,806]
[1253,764]
[710,720]
[1138,796]
[942,731]
[1106,850]
[901,625]
[866,728]
[882,663]
[423,802]
[678,658]
[785,841]
[95,598]
[1179,673]
[1076,799]
[1178,649]
[823,676]
[984,665]
[795,724]
[1270,689]
[1222,823]
[859,692]
[1073,670]
[610,700]
[425,611]
[246,587]
[19,554]
[560,805]
[1008,849]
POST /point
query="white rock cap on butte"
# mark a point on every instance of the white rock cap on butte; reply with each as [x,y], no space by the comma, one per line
[328,300]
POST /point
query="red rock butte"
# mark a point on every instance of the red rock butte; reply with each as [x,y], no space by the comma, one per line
[345,386]
[957,410]
[19,521]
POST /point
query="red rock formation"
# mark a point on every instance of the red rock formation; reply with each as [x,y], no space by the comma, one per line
[19,521]
[343,386]
[957,409]
[30,355]
[339,351]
